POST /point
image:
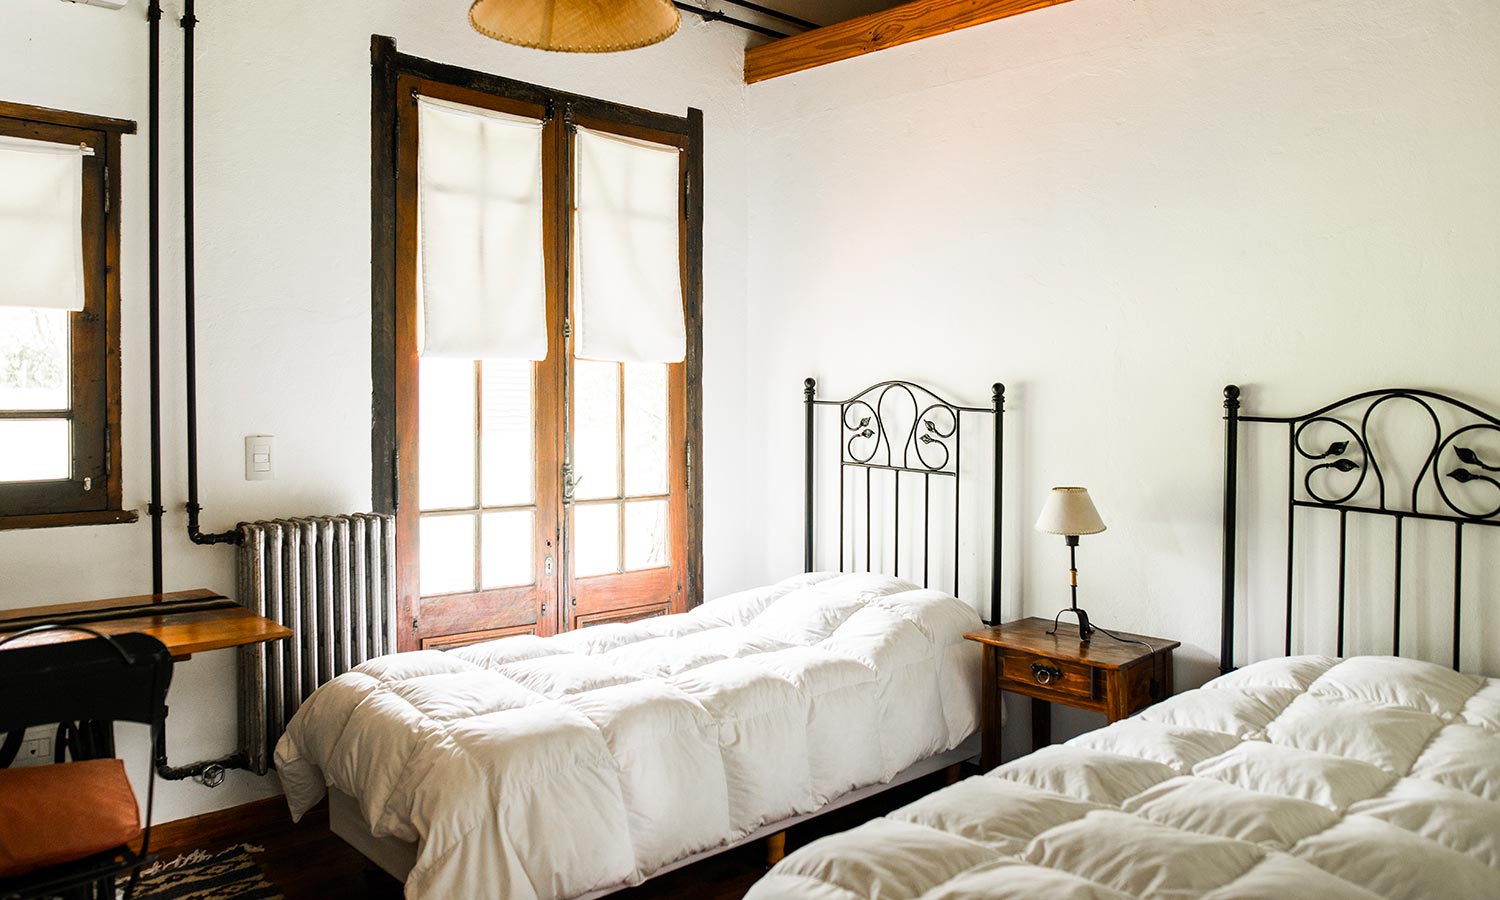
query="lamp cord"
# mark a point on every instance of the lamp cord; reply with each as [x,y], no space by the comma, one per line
[1155,664]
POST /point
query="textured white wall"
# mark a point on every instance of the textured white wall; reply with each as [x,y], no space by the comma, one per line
[283,279]
[1117,207]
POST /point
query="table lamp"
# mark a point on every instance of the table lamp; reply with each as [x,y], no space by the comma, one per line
[1070,513]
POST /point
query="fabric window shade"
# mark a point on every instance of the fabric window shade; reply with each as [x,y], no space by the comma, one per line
[627,270]
[482,282]
[41,224]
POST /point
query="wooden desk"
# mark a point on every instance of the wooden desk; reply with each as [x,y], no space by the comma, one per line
[1104,675]
[187,622]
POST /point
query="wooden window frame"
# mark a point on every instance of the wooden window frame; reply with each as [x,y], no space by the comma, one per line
[94,335]
[388,471]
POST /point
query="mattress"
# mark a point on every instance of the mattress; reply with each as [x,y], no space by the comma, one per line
[1298,777]
[553,767]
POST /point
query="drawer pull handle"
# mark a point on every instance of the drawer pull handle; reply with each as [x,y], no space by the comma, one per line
[1045,674]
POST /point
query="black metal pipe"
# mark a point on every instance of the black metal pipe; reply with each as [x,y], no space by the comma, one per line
[153,19]
[774,13]
[714,15]
[997,398]
[209,771]
[809,390]
[1231,514]
[190,318]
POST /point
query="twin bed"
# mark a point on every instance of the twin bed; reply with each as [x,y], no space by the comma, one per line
[575,765]
[1295,776]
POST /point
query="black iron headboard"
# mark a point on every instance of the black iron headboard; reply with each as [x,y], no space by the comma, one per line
[929,447]
[1337,477]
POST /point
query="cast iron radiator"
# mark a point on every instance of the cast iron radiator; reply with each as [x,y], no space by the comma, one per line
[331,580]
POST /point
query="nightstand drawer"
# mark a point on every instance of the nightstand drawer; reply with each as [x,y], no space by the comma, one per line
[1055,675]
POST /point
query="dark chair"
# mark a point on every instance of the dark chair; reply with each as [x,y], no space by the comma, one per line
[85,685]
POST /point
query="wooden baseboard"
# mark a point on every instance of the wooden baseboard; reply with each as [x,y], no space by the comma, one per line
[224,826]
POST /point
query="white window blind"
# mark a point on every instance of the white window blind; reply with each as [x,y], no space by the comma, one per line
[627,281]
[482,284]
[41,224]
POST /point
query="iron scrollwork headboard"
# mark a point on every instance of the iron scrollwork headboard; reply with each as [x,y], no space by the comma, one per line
[1455,484]
[874,435]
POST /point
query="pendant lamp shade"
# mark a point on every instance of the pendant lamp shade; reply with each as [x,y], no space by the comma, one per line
[576,26]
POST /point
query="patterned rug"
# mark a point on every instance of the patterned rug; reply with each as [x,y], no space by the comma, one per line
[227,875]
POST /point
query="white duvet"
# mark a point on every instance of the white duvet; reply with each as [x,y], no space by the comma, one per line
[552,767]
[1300,777]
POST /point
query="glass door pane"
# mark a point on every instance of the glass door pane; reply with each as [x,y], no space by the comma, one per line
[596,430]
[477,451]
[645,429]
[447,433]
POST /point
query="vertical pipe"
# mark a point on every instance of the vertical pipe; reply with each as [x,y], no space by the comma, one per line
[1396,622]
[809,390]
[997,396]
[189,296]
[1343,571]
[1458,588]
[153,18]
[189,24]
[1231,474]
[1291,524]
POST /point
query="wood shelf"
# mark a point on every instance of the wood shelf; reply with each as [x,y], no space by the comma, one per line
[201,627]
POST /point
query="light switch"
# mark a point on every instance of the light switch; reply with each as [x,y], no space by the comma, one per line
[260,457]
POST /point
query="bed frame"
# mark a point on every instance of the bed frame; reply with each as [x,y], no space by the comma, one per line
[929,448]
[874,435]
[1346,478]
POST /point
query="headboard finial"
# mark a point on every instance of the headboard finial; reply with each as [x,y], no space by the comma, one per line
[997,394]
[809,387]
[1231,396]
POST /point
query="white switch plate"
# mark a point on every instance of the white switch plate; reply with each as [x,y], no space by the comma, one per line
[260,457]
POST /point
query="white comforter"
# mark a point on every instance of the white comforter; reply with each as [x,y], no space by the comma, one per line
[1301,777]
[552,767]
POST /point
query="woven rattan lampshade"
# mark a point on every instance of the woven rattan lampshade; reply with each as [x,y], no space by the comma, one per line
[576,26]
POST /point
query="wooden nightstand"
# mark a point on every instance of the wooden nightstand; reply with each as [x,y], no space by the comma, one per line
[1104,675]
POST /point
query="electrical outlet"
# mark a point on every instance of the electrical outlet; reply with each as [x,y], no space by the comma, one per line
[35,751]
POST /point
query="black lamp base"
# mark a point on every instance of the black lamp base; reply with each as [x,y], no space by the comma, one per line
[1085,630]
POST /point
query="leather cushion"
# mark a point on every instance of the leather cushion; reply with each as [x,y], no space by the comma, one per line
[60,813]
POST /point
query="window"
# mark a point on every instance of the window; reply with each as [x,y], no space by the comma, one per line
[59,318]
[537,456]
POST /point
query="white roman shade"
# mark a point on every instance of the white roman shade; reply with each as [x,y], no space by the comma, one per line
[41,224]
[482,280]
[627,281]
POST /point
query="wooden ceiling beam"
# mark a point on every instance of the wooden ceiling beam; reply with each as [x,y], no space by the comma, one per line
[909,22]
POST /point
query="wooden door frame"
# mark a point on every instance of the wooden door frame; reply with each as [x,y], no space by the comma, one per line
[388,470]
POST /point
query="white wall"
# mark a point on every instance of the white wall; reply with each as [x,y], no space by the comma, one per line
[1117,207]
[283,280]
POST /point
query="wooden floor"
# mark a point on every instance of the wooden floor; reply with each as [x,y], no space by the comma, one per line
[307,862]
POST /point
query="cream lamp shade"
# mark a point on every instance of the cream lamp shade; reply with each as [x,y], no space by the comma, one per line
[1069,511]
[576,26]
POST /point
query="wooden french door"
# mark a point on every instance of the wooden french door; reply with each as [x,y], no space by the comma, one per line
[625,478]
[532,497]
